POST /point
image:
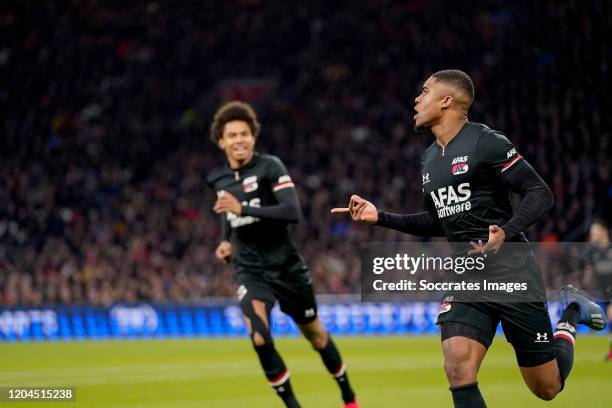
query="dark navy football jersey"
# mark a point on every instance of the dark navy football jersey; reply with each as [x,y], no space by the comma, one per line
[259,243]
[464,182]
[467,186]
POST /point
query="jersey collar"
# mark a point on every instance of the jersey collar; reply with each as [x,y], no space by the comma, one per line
[250,164]
[461,131]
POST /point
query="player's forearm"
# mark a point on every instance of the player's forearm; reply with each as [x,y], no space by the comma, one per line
[226,229]
[535,203]
[537,199]
[422,224]
[284,211]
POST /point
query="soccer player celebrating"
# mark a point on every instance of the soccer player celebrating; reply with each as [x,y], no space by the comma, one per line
[257,201]
[468,173]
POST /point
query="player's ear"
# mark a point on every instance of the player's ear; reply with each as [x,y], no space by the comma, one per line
[221,143]
[447,101]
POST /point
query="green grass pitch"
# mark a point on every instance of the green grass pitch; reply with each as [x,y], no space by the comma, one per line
[385,371]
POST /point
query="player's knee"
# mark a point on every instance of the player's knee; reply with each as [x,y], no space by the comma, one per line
[258,339]
[460,371]
[547,395]
[546,392]
[260,336]
[316,334]
[260,333]
[317,339]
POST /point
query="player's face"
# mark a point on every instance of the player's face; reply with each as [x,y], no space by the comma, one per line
[430,104]
[237,141]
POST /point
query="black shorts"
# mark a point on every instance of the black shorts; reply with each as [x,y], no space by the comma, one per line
[292,288]
[526,326]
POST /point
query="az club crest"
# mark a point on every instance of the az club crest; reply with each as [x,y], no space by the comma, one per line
[459,168]
[446,304]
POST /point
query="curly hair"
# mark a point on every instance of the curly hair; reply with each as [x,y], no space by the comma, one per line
[234,110]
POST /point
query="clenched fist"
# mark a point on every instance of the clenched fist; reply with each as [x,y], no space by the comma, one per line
[224,251]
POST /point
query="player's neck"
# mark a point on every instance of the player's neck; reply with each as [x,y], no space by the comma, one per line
[237,164]
[446,130]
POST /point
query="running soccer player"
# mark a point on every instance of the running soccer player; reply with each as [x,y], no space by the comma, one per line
[468,173]
[257,201]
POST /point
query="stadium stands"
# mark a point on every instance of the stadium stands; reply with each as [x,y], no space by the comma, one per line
[105,110]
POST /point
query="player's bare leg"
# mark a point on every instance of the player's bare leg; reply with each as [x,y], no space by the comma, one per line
[547,380]
[462,359]
[543,380]
[256,316]
[322,342]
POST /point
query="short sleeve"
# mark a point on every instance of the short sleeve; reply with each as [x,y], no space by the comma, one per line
[496,150]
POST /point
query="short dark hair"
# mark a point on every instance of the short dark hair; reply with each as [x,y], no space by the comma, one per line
[458,79]
[234,110]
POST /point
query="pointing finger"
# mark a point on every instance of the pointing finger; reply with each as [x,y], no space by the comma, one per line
[340,210]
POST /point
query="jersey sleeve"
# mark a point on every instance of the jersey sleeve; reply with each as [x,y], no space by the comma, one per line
[497,151]
[280,180]
[288,207]
[421,224]
[515,173]
[226,228]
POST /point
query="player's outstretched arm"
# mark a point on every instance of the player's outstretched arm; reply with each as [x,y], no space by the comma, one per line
[423,224]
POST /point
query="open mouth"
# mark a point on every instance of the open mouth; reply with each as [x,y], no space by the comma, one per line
[240,149]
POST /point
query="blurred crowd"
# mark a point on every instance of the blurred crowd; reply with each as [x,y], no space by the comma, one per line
[105,108]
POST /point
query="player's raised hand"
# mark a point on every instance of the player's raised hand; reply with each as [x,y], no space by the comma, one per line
[227,203]
[497,237]
[361,210]
[224,251]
